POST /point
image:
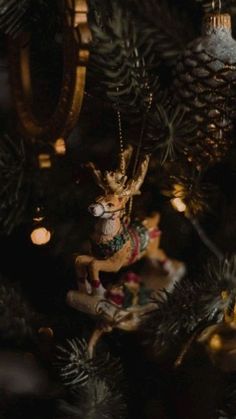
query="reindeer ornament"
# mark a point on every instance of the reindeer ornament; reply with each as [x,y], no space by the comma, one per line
[114,244]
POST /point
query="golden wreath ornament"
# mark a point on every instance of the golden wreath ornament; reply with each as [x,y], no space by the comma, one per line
[76,41]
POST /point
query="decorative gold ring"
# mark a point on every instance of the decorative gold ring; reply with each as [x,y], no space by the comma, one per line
[76,41]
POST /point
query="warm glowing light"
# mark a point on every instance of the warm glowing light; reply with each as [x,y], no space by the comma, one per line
[40,236]
[38,219]
[60,146]
[178,204]
[215,343]
[46,332]
[44,161]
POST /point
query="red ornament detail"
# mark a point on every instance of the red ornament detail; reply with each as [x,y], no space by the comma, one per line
[95,284]
[117,299]
[131,277]
[154,233]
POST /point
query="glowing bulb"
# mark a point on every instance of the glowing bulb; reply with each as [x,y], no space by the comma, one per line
[44,161]
[215,343]
[40,236]
[46,332]
[60,146]
[178,204]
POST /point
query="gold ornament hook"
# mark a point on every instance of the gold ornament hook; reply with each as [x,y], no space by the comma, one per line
[213,5]
[76,38]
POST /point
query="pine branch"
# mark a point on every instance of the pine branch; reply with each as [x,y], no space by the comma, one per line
[21,15]
[12,16]
[97,400]
[187,184]
[124,61]
[94,384]
[16,318]
[100,11]
[166,25]
[192,304]
[228,403]
[14,183]
[75,365]
[168,131]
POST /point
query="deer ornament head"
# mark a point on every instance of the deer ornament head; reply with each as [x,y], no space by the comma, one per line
[118,189]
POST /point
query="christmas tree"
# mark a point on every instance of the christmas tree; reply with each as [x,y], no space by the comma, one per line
[117,213]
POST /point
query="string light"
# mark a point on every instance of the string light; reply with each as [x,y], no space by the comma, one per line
[46,332]
[216,342]
[60,146]
[44,161]
[40,236]
[178,204]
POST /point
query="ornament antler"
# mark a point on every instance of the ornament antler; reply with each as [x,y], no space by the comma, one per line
[116,181]
[133,185]
[110,182]
[97,175]
[113,181]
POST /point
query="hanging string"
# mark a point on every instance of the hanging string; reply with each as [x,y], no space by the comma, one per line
[121,140]
[150,100]
[137,156]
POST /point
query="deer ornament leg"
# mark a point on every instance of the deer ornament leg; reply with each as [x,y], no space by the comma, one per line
[81,266]
[87,269]
[90,266]
[113,264]
[173,268]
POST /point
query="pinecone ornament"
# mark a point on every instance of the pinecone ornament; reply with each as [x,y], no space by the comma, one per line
[206,81]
